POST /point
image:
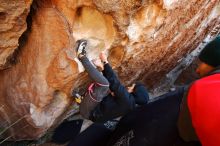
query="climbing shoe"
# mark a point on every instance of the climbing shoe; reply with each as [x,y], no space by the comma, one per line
[77,97]
[81,47]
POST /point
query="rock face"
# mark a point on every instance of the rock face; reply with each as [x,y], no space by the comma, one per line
[144,40]
[12,24]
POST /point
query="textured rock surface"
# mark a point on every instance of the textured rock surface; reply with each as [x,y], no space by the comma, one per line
[144,40]
[12,24]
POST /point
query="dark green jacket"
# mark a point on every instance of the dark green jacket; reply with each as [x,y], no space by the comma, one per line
[185,127]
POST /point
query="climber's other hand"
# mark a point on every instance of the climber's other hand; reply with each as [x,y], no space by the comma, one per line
[103,57]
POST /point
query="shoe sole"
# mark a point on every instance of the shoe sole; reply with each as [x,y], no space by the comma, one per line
[81,43]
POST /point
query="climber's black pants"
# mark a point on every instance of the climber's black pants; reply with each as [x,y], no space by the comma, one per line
[99,89]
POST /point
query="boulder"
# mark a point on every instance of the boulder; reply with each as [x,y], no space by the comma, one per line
[143,39]
[13,16]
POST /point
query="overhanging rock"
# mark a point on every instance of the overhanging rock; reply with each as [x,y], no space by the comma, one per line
[144,41]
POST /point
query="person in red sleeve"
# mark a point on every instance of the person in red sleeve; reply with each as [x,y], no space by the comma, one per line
[199,117]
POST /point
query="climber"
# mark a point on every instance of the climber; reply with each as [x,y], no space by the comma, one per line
[174,119]
[100,104]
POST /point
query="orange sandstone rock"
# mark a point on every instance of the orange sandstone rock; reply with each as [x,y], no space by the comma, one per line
[144,40]
[12,24]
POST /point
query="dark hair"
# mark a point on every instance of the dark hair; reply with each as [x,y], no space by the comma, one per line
[140,94]
[211,53]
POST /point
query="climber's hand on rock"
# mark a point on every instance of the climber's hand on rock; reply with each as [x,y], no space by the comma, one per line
[98,63]
[103,57]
